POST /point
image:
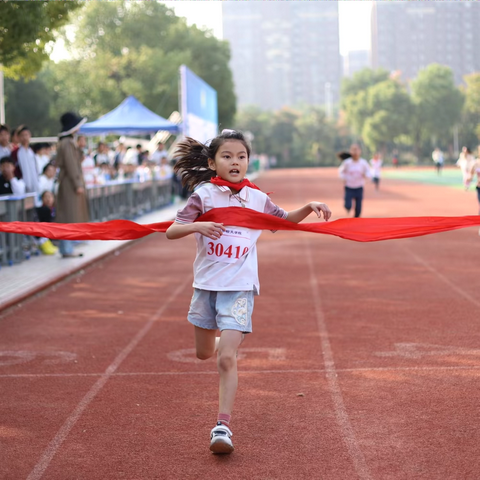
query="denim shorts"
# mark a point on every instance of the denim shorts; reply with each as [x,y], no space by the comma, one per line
[221,310]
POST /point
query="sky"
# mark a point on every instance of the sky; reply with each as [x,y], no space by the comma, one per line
[354,19]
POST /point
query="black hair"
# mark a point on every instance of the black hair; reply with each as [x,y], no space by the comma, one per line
[343,155]
[138,146]
[4,128]
[192,157]
[7,159]
[22,128]
[45,168]
[45,192]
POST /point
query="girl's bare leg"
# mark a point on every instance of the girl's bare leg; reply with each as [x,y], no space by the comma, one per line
[205,343]
[230,340]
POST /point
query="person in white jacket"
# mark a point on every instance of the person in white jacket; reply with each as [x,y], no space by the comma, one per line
[465,162]
[354,171]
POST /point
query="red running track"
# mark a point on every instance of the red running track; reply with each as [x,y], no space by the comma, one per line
[381,340]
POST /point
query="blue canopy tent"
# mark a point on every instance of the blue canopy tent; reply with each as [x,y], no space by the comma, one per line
[129,118]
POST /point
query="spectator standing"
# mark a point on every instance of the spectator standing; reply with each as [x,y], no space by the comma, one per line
[159,154]
[376,165]
[102,154]
[88,163]
[139,154]
[72,206]
[5,149]
[465,162]
[119,156]
[42,155]
[437,157]
[354,171]
[26,163]
[9,184]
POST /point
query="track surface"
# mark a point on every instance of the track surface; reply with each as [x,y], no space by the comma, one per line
[98,378]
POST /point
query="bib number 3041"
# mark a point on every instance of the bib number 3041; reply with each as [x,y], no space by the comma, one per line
[233,245]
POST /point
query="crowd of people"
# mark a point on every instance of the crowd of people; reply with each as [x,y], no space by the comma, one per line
[38,168]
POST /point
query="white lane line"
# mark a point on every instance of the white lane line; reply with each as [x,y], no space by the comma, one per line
[248,372]
[346,429]
[442,277]
[62,434]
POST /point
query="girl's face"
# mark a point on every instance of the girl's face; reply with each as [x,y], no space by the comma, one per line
[231,161]
[48,199]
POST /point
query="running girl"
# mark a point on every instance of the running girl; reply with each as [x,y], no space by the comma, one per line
[475,170]
[225,268]
[376,165]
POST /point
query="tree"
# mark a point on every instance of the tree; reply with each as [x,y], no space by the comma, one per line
[259,123]
[26,29]
[389,112]
[470,124]
[136,48]
[314,138]
[354,99]
[438,102]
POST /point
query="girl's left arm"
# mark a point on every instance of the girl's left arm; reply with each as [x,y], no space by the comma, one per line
[296,216]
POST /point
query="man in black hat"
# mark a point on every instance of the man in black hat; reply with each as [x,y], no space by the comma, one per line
[72,205]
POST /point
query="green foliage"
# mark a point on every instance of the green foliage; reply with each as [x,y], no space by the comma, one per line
[302,137]
[470,123]
[354,95]
[25,30]
[438,102]
[126,48]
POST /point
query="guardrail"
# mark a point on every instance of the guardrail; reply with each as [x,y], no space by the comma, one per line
[113,200]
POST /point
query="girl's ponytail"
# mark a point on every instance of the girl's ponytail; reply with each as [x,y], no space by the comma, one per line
[192,164]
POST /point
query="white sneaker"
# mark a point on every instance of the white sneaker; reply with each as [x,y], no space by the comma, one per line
[221,439]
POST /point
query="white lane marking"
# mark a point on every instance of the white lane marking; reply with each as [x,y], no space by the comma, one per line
[442,277]
[16,357]
[249,372]
[187,355]
[346,429]
[62,434]
[419,350]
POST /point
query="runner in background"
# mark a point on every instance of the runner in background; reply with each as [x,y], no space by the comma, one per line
[465,162]
[376,165]
[437,157]
[354,171]
[225,268]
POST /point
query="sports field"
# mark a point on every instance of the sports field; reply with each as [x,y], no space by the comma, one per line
[450,176]
[364,362]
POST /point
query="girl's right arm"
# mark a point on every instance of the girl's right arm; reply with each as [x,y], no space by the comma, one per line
[208,229]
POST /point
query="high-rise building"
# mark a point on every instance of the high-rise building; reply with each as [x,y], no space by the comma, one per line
[354,61]
[408,36]
[283,53]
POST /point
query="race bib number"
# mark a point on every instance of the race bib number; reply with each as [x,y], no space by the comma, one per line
[233,245]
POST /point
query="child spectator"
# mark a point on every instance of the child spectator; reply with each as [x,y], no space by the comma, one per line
[46,213]
[9,184]
[5,148]
[42,155]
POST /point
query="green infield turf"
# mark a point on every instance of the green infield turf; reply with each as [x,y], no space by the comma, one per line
[450,177]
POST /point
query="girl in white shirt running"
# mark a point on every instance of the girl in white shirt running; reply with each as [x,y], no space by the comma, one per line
[225,268]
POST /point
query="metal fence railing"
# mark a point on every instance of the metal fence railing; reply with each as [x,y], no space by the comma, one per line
[114,200]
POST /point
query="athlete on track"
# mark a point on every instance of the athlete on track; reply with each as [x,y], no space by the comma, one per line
[225,268]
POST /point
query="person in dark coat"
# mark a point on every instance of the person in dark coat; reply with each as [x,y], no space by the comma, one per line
[72,205]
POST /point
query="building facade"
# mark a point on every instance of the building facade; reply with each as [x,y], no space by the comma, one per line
[354,61]
[283,53]
[408,36]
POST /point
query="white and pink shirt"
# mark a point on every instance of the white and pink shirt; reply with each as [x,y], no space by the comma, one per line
[354,172]
[229,263]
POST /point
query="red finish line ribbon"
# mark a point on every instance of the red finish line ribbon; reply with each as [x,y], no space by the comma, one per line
[357,229]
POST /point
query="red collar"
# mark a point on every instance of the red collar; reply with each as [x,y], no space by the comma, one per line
[236,186]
